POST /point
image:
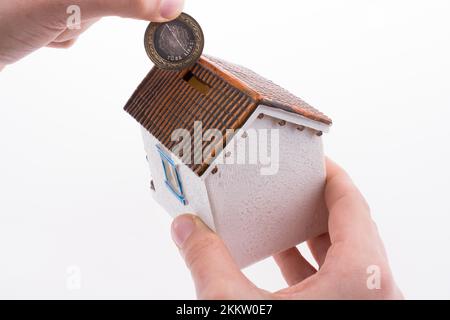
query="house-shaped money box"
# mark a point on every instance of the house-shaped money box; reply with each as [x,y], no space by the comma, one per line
[242,153]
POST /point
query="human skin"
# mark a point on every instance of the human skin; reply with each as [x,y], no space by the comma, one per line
[346,256]
[27,25]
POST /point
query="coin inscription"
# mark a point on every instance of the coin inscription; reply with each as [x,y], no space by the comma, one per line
[175,44]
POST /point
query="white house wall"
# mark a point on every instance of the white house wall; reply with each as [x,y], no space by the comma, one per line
[193,187]
[258,215]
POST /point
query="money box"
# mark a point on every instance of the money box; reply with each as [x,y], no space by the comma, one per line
[239,151]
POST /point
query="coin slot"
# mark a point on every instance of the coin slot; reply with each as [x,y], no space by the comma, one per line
[196,83]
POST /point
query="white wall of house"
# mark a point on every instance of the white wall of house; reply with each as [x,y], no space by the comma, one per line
[258,215]
[193,187]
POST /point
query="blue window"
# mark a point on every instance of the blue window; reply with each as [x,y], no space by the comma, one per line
[171,176]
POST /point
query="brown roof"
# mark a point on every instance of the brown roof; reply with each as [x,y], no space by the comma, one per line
[165,101]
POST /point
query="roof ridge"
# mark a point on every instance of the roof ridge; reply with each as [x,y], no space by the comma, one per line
[205,60]
[261,89]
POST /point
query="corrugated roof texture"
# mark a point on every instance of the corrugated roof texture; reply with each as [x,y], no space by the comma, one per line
[165,102]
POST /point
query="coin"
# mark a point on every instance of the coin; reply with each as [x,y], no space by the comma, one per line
[176,44]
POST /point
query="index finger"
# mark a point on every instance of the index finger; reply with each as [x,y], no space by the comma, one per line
[349,213]
[153,10]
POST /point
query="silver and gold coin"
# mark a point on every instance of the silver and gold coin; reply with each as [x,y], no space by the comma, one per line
[176,44]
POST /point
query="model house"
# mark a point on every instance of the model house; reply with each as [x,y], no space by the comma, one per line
[242,153]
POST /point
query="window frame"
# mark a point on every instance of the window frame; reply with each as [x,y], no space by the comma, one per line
[177,190]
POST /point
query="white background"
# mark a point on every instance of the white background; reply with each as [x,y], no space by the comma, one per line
[74,187]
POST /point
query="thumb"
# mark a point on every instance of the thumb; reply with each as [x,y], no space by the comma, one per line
[215,274]
[153,10]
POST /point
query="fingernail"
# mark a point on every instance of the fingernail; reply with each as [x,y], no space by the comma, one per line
[169,9]
[182,228]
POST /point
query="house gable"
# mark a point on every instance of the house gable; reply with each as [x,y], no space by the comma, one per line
[277,116]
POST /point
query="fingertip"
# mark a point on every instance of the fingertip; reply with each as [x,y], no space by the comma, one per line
[333,169]
[349,212]
[158,10]
[152,10]
[171,9]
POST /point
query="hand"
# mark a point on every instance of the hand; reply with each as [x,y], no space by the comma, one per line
[346,256]
[27,25]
